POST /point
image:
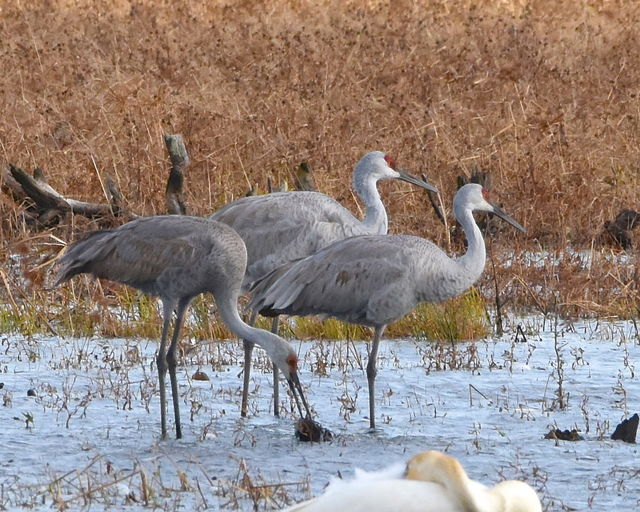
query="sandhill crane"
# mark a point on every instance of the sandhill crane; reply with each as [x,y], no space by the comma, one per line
[430,482]
[176,258]
[282,227]
[373,280]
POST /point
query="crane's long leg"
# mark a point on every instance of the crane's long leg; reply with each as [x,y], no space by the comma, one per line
[172,363]
[248,349]
[371,374]
[161,362]
[276,387]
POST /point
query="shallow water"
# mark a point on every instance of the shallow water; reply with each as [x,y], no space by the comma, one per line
[93,441]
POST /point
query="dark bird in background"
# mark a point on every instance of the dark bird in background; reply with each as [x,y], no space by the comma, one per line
[620,228]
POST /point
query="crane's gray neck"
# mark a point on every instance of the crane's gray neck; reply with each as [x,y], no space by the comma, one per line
[375,220]
[228,308]
[473,261]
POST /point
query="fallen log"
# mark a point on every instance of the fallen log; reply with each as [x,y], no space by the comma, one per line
[45,206]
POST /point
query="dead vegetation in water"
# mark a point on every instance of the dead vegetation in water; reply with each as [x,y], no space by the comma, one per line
[101,484]
[544,97]
[250,486]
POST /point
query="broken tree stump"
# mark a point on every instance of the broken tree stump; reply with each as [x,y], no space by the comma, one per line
[174,196]
[303,178]
[626,431]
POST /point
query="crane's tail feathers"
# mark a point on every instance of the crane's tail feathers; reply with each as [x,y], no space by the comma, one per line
[260,289]
[284,294]
[79,256]
[261,285]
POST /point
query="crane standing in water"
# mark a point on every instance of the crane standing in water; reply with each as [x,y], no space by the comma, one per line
[281,227]
[177,258]
[374,280]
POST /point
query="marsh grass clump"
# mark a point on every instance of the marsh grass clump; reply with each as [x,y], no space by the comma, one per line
[20,320]
[138,314]
[118,313]
[104,309]
[21,310]
[310,327]
[439,356]
[461,318]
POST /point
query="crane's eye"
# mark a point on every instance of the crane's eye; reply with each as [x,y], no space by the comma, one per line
[390,161]
[485,194]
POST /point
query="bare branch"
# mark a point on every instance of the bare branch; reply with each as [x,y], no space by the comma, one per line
[49,204]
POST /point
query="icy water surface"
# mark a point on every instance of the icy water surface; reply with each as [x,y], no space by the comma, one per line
[89,439]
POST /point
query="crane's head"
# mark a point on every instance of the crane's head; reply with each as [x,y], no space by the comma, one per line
[285,358]
[473,196]
[377,165]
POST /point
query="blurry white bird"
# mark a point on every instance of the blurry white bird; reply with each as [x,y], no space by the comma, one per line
[374,280]
[176,257]
[282,227]
[430,482]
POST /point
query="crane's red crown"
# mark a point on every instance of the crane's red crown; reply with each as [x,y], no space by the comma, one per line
[292,361]
[390,161]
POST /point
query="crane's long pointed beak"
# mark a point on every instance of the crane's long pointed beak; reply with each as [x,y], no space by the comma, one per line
[296,389]
[504,216]
[409,178]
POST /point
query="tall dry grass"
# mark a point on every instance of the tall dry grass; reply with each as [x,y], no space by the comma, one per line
[543,95]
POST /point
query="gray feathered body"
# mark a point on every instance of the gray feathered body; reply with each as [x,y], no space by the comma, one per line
[367,280]
[285,226]
[168,256]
